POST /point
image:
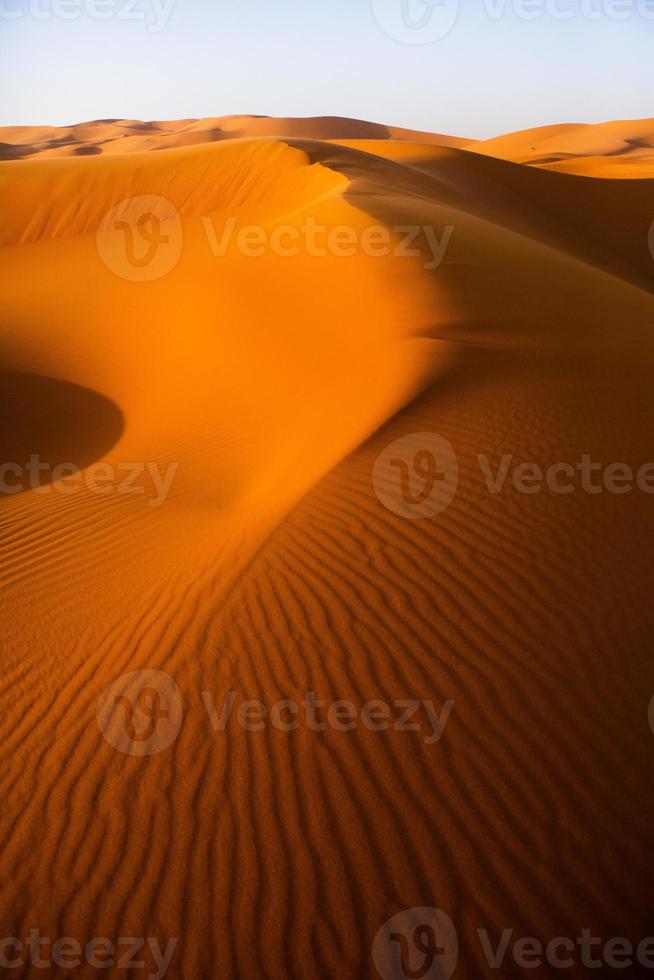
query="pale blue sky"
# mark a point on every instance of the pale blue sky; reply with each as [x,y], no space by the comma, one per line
[327,57]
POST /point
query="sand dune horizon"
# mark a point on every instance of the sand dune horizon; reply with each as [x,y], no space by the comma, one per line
[620,148]
[353,415]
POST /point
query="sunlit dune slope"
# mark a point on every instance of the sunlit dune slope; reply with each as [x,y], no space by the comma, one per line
[117,136]
[265,382]
[623,148]
[68,198]
[226,328]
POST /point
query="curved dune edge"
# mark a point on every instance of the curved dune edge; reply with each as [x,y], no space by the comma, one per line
[118,136]
[617,149]
[68,198]
[624,168]
[622,148]
[272,568]
[272,392]
[62,422]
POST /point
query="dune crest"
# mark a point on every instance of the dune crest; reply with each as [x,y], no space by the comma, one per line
[247,388]
[117,136]
[623,149]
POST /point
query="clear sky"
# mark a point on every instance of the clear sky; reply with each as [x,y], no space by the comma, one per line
[493,71]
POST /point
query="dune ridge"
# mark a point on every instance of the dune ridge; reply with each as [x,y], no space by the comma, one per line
[117,136]
[272,569]
[622,148]
[615,149]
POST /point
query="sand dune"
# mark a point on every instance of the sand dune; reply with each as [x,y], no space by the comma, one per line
[624,148]
[258,391]
[112,136]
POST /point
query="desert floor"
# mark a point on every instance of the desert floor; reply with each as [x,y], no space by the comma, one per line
[249,398]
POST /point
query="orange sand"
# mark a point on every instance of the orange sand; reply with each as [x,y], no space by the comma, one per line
[614,149]
[272,384]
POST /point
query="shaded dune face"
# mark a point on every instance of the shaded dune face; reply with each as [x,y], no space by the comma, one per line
[516,819]
[58,422]
[9,151]
[601,222]
[273,569]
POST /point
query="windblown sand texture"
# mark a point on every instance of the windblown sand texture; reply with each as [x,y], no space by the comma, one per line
[272,569]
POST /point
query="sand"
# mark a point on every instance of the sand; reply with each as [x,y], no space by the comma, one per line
[624,148]
[112,136]
[267,387]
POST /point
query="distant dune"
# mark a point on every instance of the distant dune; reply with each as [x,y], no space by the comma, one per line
[268,382]
[614,149]
[130,136]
